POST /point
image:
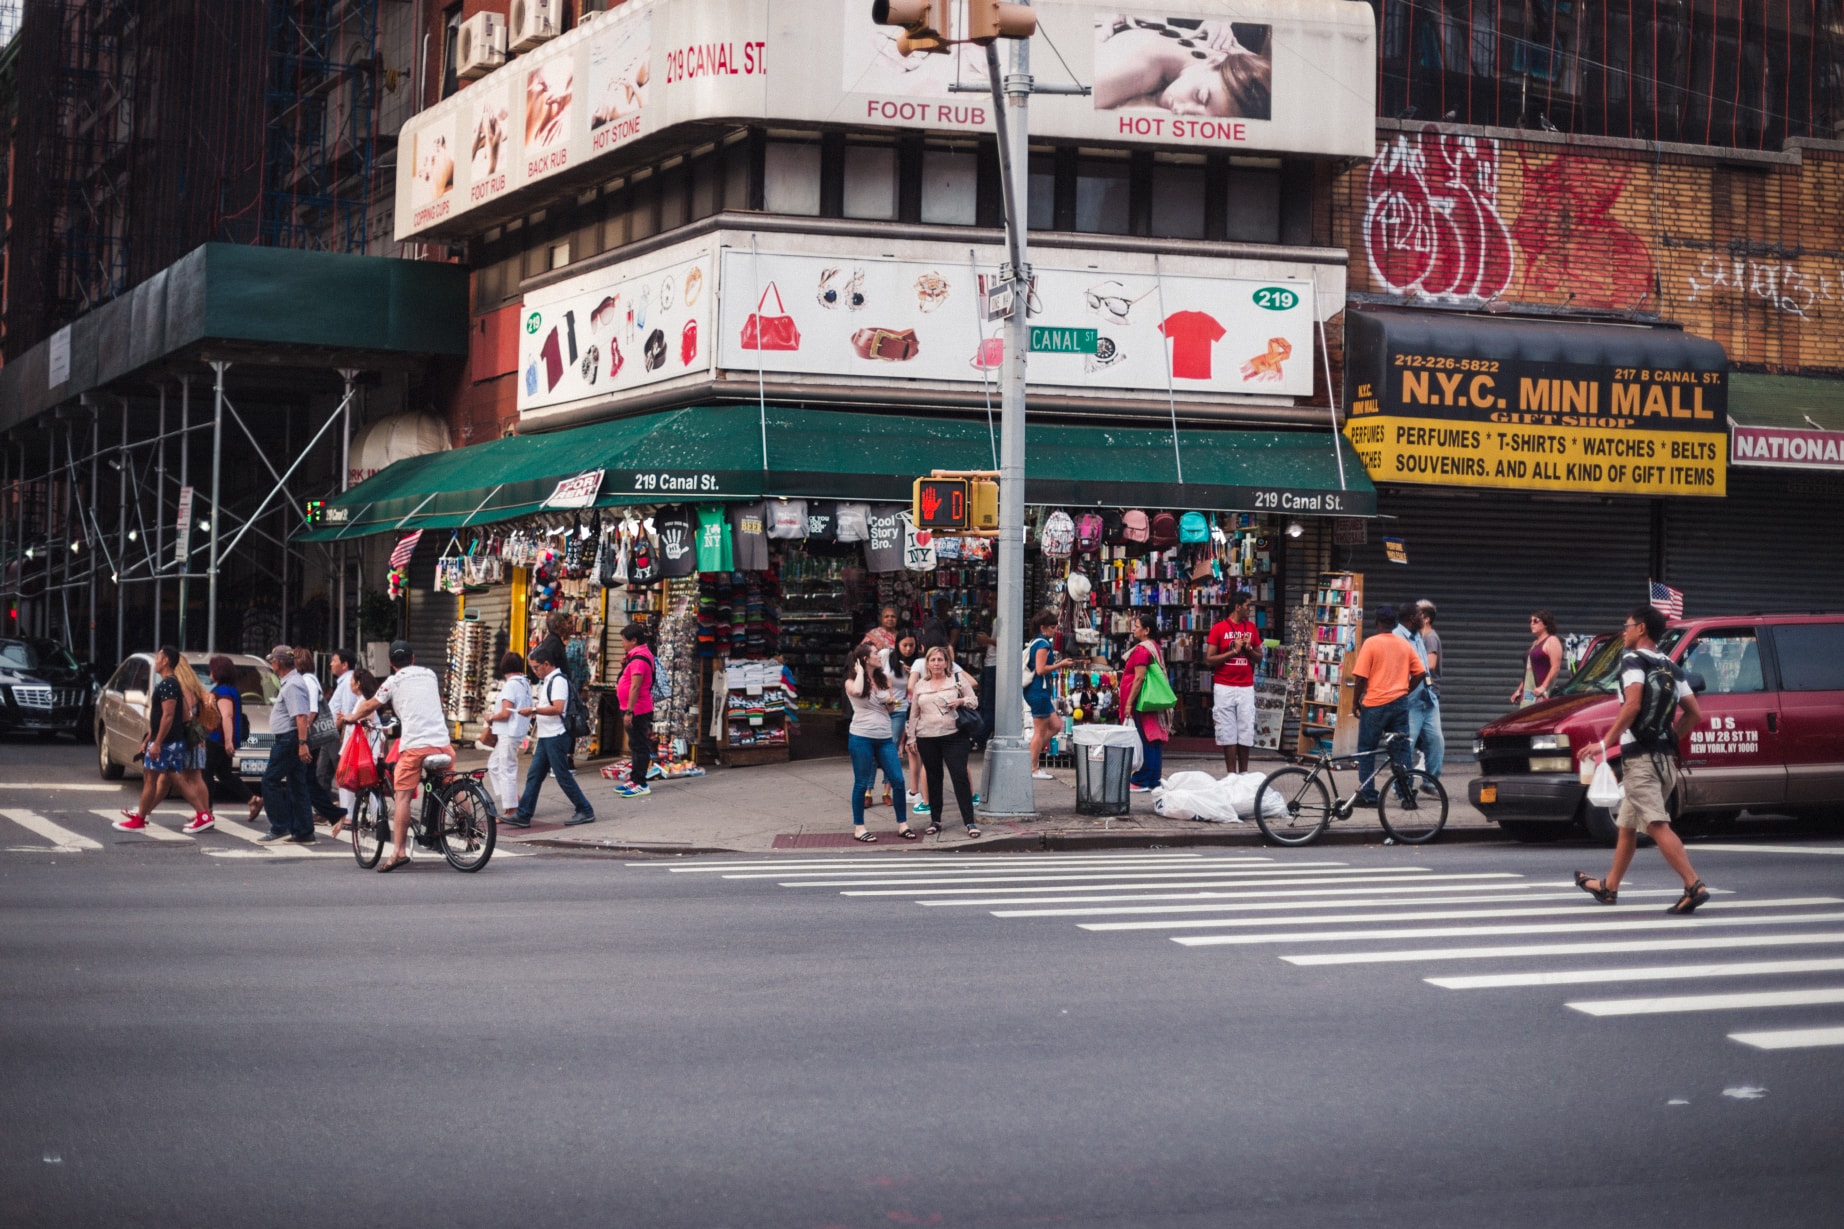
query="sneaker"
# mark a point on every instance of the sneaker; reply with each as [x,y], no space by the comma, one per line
[309,839]
[581,817]
[1138,789]
[976,800]
[129,822]
[921,808]
[1043,774]
[634,791]
[513,821]
[200,823]
[271,836]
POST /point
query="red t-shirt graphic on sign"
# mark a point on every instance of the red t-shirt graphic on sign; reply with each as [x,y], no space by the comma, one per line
[1192,334]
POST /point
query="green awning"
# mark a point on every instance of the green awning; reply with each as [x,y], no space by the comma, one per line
[1797,402]
[708,454]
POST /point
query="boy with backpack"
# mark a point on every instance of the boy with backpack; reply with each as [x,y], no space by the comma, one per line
[560,723]
[1654,689]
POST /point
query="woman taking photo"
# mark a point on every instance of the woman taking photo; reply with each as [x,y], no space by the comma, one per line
[1151,726]
[1040,662]
[1542,663]
[870,737]
[933,702]
[898,663]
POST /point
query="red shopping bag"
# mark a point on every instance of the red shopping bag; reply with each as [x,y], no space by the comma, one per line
[357,768]
[777,332]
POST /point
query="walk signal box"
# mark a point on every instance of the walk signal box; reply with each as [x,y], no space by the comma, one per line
[947,505]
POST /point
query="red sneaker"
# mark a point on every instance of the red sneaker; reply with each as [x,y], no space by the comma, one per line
[129,822]
[200,823]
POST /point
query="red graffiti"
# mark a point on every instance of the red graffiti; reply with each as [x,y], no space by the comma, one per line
[1431,224]
[1570,238]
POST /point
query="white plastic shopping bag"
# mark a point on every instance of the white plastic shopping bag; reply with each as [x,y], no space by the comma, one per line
[1605,791]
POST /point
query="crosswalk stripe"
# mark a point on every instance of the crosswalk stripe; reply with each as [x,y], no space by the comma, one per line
[1239,881]
[281,849]
[1660,972]
[1511,893]
[1791,1038]
[1004,875]
[862,862]
[1612,947]
[1836,851]
[1542,928]
[62,837]
[153,831]
[1709,1002]
[1434,915]
[1000,874]
[1419,885]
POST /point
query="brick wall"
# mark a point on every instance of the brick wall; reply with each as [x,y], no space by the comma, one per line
[1747,249]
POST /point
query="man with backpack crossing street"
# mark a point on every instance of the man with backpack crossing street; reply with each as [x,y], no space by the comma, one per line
[553,708]
[1654,689]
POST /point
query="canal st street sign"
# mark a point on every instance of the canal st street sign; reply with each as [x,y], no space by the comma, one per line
[1049,340]
[1457,400]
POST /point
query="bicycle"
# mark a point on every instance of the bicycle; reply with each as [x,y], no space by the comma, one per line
[456,817]
[1412,806]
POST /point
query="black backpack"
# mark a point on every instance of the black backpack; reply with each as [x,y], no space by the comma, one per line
[1658,703]
[575,720]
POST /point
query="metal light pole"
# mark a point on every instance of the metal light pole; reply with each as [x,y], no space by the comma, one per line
[217,474]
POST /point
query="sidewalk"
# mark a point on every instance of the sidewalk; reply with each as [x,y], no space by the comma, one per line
[806,805]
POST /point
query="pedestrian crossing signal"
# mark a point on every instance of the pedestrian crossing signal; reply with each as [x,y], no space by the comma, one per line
[939,503]
[316,511]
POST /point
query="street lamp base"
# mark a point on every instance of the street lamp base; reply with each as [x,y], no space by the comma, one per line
[1006,791]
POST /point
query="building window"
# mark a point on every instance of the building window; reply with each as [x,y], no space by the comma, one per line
[950,186]
[736,156]
[615,219]
[791,178]
[1178,196]
[451,37]
[1102,194]
[643,206]
[870,182]
[674,186]
[560,254]
[706,184]
[1254,205]
[1040,205]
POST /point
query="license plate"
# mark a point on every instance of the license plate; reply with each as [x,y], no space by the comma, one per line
[1488,793]
[252,768]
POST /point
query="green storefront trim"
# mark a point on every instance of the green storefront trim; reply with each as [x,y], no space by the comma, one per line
[708,454]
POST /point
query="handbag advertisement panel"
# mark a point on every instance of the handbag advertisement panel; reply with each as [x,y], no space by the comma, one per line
[897,319]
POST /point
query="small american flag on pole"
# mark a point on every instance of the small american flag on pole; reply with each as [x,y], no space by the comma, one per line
[400,557]
[1668,600]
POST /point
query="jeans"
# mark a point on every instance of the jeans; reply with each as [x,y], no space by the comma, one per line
[1425,730]
[1152,762]
[868,755]
[551,756]
[949,751]
[1373,724]
[285,788]
[221,776]
[320,781]
[989,686]
[899,725]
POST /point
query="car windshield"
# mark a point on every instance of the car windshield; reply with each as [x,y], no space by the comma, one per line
[35,654]
[257,684]
[1600,674]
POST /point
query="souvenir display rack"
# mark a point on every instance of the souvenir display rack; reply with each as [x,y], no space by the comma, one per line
[469,669]
[817,632]
[1337,605]
[758,702]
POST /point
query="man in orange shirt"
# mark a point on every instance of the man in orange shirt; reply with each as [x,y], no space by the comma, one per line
[1386,672]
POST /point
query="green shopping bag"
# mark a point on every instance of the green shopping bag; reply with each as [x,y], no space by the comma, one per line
[1156,695]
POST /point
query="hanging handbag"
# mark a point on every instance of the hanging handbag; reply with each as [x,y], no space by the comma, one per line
[777,332]
[324,732]
[1156,695]
[968,720]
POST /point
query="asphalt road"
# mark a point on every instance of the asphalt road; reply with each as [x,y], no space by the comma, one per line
[192,1032]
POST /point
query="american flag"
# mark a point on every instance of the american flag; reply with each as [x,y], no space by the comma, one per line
[1668,600]
[400,557]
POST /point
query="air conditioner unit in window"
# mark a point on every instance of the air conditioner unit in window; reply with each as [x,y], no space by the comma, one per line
[480,46]
[533,22]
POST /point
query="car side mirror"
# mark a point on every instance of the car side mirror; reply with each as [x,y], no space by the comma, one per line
[135,697]
[1695,680]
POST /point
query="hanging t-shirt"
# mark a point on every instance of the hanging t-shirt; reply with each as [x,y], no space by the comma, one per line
[787,519]
[852,522]
[678,548]
[1192,335]
[749,536]
[643,562]
[883,544]
[714,553]
[822,521]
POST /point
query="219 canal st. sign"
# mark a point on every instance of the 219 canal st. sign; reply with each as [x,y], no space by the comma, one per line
[1462,400]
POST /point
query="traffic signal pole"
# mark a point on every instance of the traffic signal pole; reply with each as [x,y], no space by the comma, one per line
[1007,790]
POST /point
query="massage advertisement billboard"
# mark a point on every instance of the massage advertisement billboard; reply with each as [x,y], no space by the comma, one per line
[1274,77]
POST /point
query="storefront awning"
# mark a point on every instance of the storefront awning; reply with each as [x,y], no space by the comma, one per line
[707,454]
[1786,422]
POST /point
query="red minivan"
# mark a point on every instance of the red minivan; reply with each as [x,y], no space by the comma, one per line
[1772,739]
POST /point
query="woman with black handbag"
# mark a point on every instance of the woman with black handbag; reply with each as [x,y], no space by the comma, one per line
[944,713]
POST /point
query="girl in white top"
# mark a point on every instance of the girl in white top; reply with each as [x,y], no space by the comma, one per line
[867,691]
[510,729]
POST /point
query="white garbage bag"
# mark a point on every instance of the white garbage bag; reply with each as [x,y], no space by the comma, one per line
[1241,787]
[1195,795]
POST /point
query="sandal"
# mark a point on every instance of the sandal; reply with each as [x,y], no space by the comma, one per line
[1694,895]
[867,837]
[931,830]
[907,834]
[973,834]
[1606,896]
[393,864]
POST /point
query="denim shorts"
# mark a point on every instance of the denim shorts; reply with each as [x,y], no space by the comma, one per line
[1037,695]
[175,757]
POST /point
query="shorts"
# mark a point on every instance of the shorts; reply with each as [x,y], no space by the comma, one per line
[1232,711]
[409,769]
[175,757]
[1649,780]
[1037,700]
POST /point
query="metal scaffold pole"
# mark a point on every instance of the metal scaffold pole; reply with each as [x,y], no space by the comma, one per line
[217,473]
[185,539]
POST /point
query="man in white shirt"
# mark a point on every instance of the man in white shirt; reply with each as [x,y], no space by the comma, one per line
[342,701]
[550,751]
[415,696]
[290,763]
[326,759]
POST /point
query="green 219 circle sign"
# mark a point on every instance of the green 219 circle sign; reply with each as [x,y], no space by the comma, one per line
[533,322]
[1276,298]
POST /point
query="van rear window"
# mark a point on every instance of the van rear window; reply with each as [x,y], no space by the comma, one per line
[1811,656]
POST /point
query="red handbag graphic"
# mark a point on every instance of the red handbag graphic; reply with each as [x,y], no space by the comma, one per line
[777,332]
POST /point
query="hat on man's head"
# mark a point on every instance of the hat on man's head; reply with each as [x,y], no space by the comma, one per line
[401,653]
[282,652]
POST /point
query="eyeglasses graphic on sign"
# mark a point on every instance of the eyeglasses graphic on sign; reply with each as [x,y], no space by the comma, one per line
[1110,299]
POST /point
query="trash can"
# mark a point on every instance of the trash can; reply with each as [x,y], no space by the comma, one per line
[1106,757]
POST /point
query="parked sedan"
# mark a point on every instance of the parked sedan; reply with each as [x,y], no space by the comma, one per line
[44,689]
[121,712]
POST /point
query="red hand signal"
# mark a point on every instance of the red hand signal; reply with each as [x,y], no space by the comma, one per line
[931,503]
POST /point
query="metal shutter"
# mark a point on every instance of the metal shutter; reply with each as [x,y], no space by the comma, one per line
[1487,560]
[432,614]
[1772,545]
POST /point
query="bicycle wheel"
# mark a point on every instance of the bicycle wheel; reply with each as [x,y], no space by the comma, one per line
[1413,807]
[1292,806]
[470,825]
[370,822]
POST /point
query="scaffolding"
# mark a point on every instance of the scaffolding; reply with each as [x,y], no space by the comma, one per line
[93,93]
[320,106]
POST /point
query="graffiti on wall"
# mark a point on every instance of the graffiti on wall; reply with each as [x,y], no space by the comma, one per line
[1570,239]
[1431,220]
[1782,284]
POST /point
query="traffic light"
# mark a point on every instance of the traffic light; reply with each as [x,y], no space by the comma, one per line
[983,505]
[928,25]
[990,19]
[316,511]
[939,503]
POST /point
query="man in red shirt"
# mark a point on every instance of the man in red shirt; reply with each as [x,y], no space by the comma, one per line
[1231,650]
[1386,672]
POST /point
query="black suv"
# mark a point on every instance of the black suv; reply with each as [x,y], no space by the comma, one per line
[44,689]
